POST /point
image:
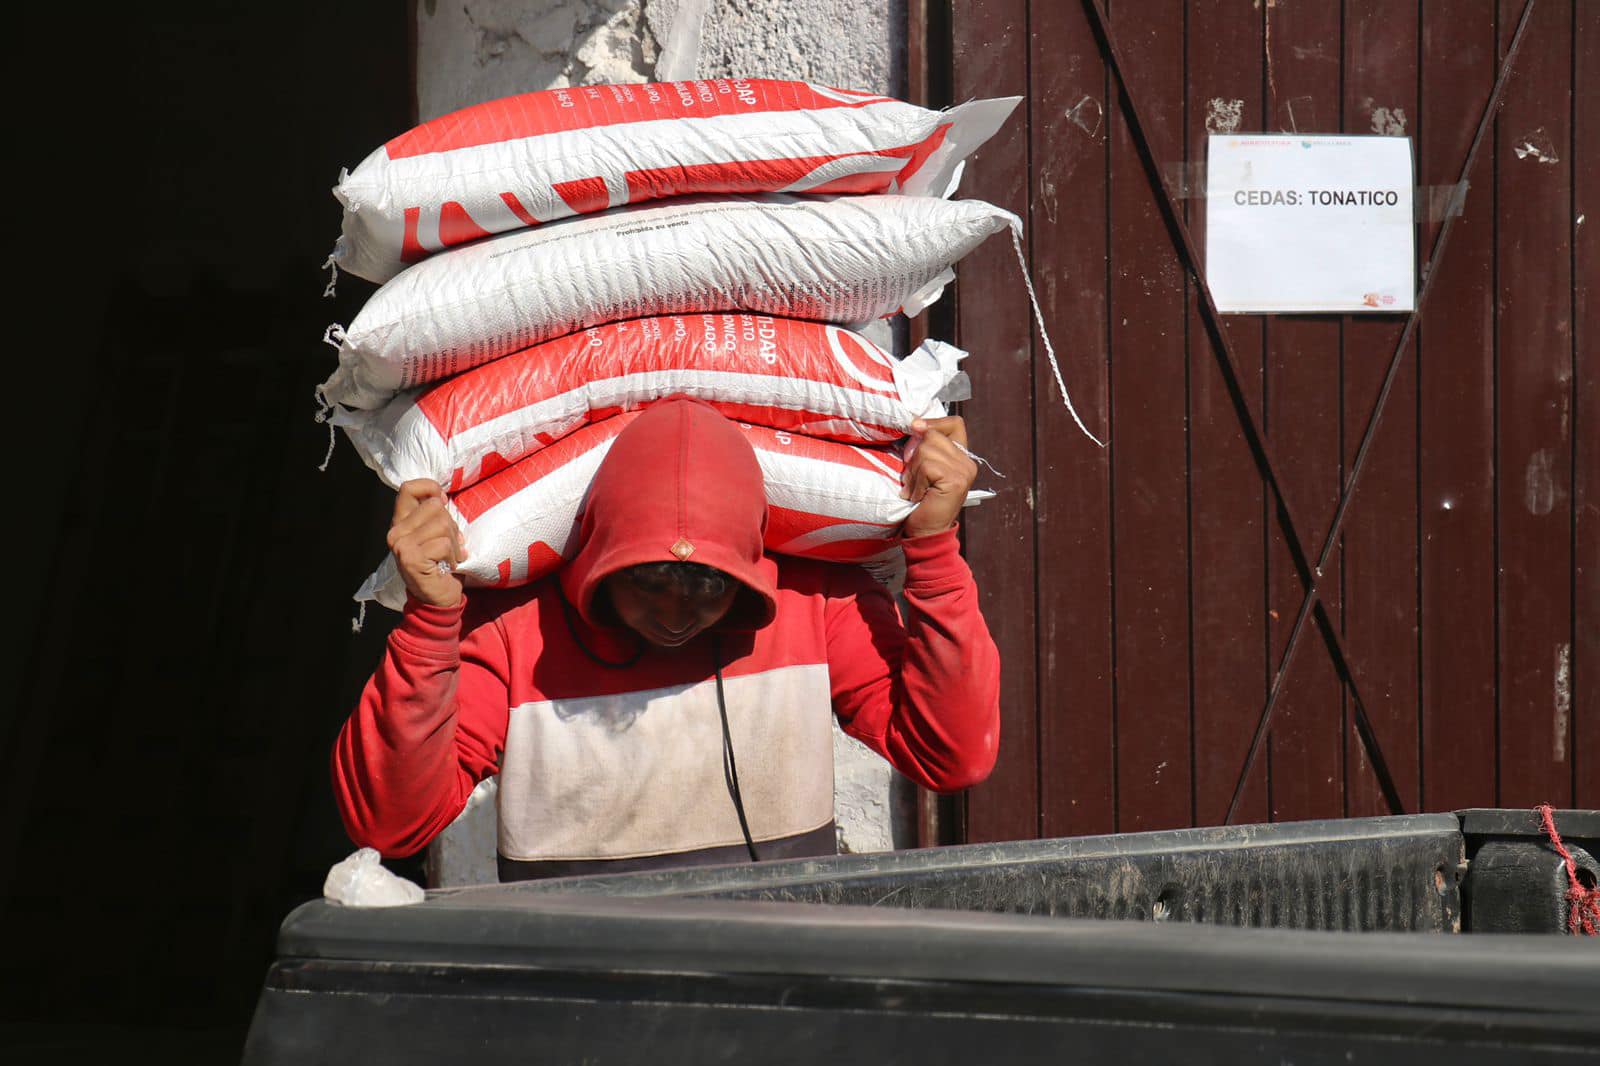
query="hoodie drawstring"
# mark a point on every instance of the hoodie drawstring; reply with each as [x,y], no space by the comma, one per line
[730,769]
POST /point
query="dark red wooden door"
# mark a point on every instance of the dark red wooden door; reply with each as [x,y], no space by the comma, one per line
[1143,594]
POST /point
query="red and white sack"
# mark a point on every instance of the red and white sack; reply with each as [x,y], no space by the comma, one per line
[530,159]
[810,378]
[825,500]
[846,259]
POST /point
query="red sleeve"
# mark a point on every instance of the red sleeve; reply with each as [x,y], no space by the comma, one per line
[926,694]
[431,724]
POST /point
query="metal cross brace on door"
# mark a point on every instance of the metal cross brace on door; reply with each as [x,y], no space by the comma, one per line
[1429,272]
[1310,576]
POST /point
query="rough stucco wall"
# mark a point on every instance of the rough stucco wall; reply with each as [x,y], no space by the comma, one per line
[848,43]
[478,50]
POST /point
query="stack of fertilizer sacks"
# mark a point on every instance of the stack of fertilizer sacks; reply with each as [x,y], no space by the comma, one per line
[554,262]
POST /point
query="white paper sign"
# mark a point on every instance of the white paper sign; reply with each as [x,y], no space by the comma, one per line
[1318,224]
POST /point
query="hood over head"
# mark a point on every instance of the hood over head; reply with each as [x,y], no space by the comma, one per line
[680,484]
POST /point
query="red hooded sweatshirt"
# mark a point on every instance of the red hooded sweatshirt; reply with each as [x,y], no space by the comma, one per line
[609,749]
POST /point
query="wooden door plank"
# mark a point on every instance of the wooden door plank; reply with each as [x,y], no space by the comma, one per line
[990,57]
[1534,388]
[1379,540]
[1585,666]
[1149,480]
[1455,363]
[1072,498]
[1306,773]
[1227,521]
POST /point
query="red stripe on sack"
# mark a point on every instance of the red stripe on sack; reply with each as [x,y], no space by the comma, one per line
[862,360]
[875,181]
[505,575]
[784,526]
[543,560]
[523,214]
[789,350]
[842,551]
[586,107]
[802,97]
[870,182]
[829,451]
[411,249]
[503,385]
[585,196]
[456,226]
[922,152]
[781,418]
[485,493]
[744,175]
[492,464]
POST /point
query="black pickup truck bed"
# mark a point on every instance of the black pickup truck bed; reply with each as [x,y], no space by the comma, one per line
[1291,943]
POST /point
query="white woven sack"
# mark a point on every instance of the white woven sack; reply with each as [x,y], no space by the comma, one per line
[826,500]
[807,378]
[531,159]
[846,259]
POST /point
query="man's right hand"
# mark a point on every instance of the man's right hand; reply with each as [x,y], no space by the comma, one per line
[422,536]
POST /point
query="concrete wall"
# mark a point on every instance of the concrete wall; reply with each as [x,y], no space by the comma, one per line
[481,49]
[854,44]
[469,51]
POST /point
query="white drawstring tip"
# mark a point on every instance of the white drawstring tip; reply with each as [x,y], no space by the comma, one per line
[361,617]
[980,460]
[323,415]
[328,456]
[333,277]
[1038,318]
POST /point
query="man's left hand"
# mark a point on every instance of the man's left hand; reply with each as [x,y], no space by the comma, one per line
[938,475]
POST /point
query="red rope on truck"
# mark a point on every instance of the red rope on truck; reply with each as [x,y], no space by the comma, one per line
[1584,903]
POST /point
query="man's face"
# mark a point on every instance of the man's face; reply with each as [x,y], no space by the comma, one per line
[666,614]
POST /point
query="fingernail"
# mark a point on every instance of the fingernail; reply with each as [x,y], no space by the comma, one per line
[918,425]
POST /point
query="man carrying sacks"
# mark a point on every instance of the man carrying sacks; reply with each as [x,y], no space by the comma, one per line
[662,699]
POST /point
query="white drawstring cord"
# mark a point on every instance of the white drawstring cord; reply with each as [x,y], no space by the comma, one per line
[980,460]
[1038,318]
[332,440]
[333,278]
[324,410]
